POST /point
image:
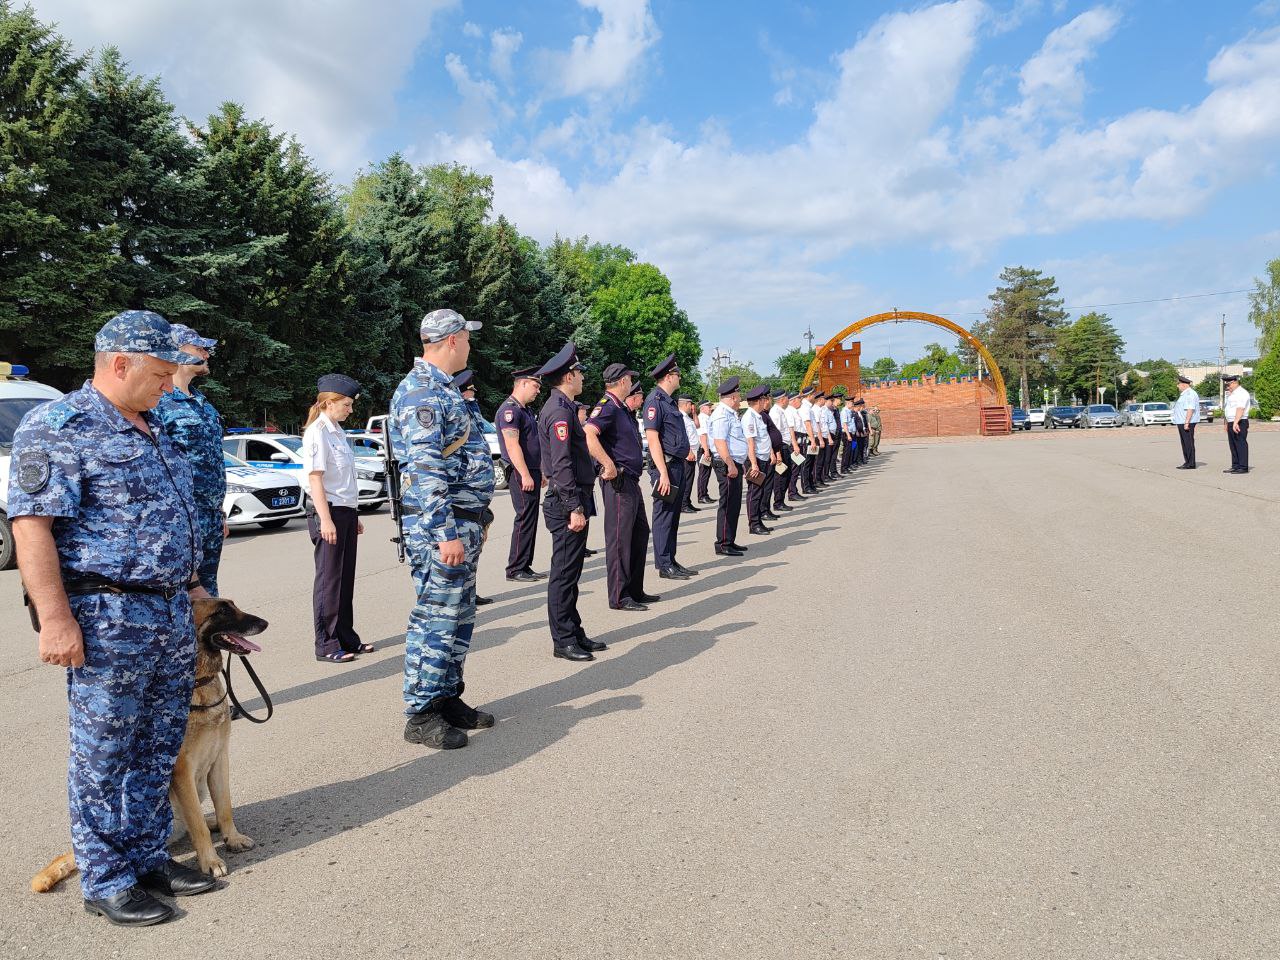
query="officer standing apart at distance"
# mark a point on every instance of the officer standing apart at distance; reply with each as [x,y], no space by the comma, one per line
[730,446]
[759,462]
[670,453]
[1186,414]
[875,425]
[521,451]
[446,486]
[688,412]
[1236,414]
[614,442]
[195,428]
[109,549]
[566,464]
[333,518]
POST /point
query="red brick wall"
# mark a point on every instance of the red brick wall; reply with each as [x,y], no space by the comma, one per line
[927,408]
[841,368]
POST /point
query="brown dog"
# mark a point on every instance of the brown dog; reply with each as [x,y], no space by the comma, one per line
[203,767]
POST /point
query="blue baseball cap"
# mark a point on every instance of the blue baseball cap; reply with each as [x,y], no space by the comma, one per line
[141,331]
[184,336]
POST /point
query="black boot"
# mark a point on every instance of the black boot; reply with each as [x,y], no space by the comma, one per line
[457,714]
[430,729]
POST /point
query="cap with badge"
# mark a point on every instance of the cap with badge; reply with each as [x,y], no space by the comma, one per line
[338,383]
[665,367]
[807,392]
[757,393]
[779,394]
[636,391]
[184,336]
[463,381]
[616,371]
[563,361]
[1183,378]
[141,331]
[528,373]
[1231,378]
[729,386]
[439,324]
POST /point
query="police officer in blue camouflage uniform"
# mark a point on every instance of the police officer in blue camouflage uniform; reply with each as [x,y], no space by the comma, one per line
[446,486]
[195,428]
[669,453]
[109,547]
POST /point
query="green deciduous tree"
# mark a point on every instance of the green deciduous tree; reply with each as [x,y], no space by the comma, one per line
[792,366]
[1266,382]
[1089,356]
[1160,384]
[1264,307]
[885,368]
[937,361]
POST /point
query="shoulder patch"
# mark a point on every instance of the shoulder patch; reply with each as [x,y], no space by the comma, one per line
[651,412]
[509,415]
[425,416]
[33,470]
[562,431]
[596,412]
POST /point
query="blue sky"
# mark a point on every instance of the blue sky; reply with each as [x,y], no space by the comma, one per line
[797,164]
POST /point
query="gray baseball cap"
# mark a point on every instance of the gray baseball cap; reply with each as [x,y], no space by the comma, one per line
[439,324]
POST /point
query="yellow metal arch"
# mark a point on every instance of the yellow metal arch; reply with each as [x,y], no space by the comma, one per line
[945,324]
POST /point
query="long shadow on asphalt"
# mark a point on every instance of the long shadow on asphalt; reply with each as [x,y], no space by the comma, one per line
[529,722]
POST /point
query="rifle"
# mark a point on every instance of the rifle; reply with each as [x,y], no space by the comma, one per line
[393,488]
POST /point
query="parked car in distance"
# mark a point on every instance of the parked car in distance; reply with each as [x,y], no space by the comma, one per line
[283,451]
[18,396]
[372,437]
[1020,419]
[1057,417]
[1209,410]
[1035,418]
[1099,415]
[269,498]
[1149,413]
[1126,417]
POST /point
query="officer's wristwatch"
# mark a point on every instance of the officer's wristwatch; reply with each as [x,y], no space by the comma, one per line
[579,511]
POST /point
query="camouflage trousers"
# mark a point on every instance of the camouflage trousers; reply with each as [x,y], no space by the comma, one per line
[440,626]
[210,524]
[127,712]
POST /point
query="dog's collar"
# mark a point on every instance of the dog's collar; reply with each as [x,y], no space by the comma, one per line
[203,680]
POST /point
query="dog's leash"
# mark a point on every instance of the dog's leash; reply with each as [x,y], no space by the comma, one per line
[262,691]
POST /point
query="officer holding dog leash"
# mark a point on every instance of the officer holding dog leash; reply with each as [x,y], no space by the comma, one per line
[109,548]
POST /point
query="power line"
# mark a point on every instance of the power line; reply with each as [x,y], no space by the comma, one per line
[1118,303]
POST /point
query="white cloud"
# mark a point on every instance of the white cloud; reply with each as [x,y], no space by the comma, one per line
[325,70]
[1053,77]
[609,58]
[503,46]
[480,99]
[750,237]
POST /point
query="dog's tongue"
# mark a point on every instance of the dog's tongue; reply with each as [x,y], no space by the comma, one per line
[244,644]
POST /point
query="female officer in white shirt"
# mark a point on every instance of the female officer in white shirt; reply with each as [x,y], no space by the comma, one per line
[332,518]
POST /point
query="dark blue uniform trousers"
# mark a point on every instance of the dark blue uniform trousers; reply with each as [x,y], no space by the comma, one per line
[666,516]
[524,533]
[729,509]
[626,537]
[568,550]
[127,710]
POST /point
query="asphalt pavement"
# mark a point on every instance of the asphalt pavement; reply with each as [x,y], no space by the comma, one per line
[1013,698]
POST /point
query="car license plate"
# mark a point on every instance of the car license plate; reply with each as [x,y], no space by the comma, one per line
[283,502]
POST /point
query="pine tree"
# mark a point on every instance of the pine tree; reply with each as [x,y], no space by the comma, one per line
[1022,325]
[53,264]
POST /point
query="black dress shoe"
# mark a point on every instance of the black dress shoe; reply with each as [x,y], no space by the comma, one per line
[592,646]
[770,515]
[629,604]
[672,573]
[798,496]
[174,880]
[738,546]
[535,574]
[431,729]
[571,652]
[1232,470]
[683,569]
[647,598]
[783,506]
[759,529]
[482,601]
[588,552]
[1184,466]
[688,509]
[130,908]
[457,714]
[522,576]
[730,551]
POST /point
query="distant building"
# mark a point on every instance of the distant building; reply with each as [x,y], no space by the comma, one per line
[1198,373]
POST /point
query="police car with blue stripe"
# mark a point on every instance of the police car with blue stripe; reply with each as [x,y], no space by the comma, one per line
[265,497]
[283,451]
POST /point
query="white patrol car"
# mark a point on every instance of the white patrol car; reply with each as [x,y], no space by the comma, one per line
[17,396]
[372,439]
[283,451]
[265,497]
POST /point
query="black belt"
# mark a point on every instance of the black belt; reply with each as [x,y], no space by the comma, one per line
[80,588]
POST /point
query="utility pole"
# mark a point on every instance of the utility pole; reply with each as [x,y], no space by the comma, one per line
[719,360]
[808,335]
[1222,361]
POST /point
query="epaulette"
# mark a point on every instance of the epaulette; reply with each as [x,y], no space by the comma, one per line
[60,413]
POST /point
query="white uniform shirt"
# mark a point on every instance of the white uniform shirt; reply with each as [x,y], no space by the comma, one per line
[325,448]
[805,413]
[780,420]
[816,414]
[795,423]
[753,428]
[1237,399]
[691,431]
